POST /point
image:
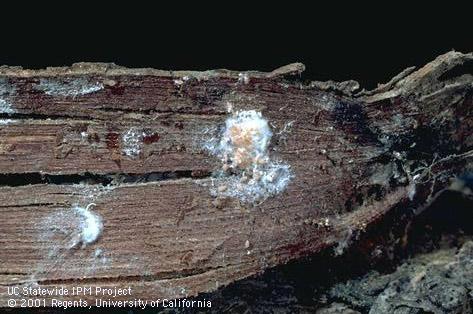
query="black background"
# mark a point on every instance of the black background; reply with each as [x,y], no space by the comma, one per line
[370,44]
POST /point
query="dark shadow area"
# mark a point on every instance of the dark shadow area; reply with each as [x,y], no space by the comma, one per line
[20,179]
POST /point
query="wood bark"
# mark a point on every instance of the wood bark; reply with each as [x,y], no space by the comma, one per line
[355,156]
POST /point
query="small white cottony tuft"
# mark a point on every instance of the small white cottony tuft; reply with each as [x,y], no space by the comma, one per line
[243,78]
[178,82]
[68,88]
[5,107]
[90,224]
[6,121]
[7,90]
[132,142]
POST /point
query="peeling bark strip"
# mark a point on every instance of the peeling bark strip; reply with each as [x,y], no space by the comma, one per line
[203,178]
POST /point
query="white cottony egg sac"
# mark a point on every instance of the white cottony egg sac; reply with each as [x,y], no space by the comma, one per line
[74,227]
[245,139]
[247,173]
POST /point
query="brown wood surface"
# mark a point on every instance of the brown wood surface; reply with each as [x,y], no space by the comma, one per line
[355,156]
